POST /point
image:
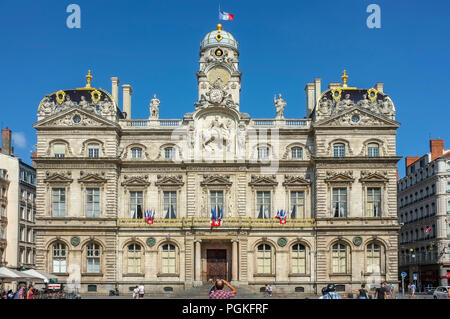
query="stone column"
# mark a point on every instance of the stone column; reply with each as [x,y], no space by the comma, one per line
[198,263]
[234,261]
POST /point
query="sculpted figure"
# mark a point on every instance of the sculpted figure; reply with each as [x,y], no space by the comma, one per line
[85,104]
[387,108]
[280,104]
[47,106]
[202,103]
[325,106]
[365,102]
[154,107]
[68,103]
[105,107]
[344,104]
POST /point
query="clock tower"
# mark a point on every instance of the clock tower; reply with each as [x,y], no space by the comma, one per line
[219,79]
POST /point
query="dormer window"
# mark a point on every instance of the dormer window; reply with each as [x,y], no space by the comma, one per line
[373,150]
[59,150]
[136,152]
[169,153]
[263,152]
[93,150]
[297,152]
[339,150]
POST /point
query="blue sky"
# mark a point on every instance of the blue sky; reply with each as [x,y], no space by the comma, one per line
[153,45]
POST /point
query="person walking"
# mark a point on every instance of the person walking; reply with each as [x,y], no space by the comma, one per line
[141,291]
[413,290]
[380,292]
[30,293]
[136,293]
[269,290]
[219,293]
[363,293]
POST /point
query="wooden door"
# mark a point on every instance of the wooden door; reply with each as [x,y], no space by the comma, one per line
[217,267]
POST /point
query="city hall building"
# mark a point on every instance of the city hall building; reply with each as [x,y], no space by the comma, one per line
[333,172]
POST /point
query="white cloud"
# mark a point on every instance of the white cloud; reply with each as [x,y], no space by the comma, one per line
[19,139]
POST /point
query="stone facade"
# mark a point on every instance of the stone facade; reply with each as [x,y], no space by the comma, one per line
[99,174]
[17,208]
[424,207]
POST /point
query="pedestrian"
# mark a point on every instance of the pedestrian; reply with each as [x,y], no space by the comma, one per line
[392,290]
[330,292]
[269,290]
[136,293]
[141,291]
[413,289]
[30,294]
[219,293]
[10,294]
[363,293]
[20,293]
[380,292]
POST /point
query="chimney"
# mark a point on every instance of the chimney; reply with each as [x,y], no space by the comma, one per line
[409,160]
[6,141]
[33,157]
[436,148]
[317,90]
[334,85]
[115,89]
[309,90]
[379,87]
[127,100]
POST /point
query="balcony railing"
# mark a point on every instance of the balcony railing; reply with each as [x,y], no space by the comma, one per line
[206,222]
[150,123]
[283,123]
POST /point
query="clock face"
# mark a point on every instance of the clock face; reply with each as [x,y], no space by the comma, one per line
[218,74]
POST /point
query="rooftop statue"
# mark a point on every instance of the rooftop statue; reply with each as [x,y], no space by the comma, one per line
[280,104]
[154,107]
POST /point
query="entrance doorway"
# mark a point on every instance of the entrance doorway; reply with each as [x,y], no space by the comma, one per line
[216,264]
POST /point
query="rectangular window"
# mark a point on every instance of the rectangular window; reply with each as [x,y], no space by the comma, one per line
[448,207]
[170,205]
[448,166]
[59,202]
[373,202]
[59,150]
[263,152]
[136,200]
[298,204]
[263,204]
[93,151]
[92,202]
[169,152]
[373,150]
[339,202]
[448,187]
[339,150]
[216,201]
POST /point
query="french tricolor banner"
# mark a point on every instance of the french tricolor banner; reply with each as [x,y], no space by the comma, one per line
[225,15]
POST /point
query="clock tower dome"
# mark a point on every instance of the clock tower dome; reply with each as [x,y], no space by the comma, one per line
[219,79]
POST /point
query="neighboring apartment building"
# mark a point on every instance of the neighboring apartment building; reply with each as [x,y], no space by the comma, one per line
[334,171]
[17,207]
[424,212]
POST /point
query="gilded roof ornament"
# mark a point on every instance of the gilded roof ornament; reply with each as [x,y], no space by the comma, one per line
[88,82]
[344,78]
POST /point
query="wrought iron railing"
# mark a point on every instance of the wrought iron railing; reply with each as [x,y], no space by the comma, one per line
[206,222]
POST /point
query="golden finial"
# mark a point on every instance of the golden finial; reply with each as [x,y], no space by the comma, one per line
[344,78]
[88,79]
[219,27]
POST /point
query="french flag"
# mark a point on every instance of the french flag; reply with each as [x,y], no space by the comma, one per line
[225,15]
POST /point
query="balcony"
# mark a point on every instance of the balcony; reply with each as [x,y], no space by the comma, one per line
[227,222]
[150,123]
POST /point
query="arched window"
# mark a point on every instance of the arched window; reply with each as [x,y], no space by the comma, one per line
[298,259]
[339,258]
[169,259]
[264,259]
[169,153]
[93,258]
[339,150]
[93,150]
[134,259]
[297,152]
[373,150]
[373,252]
[59,258]
[136,152]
